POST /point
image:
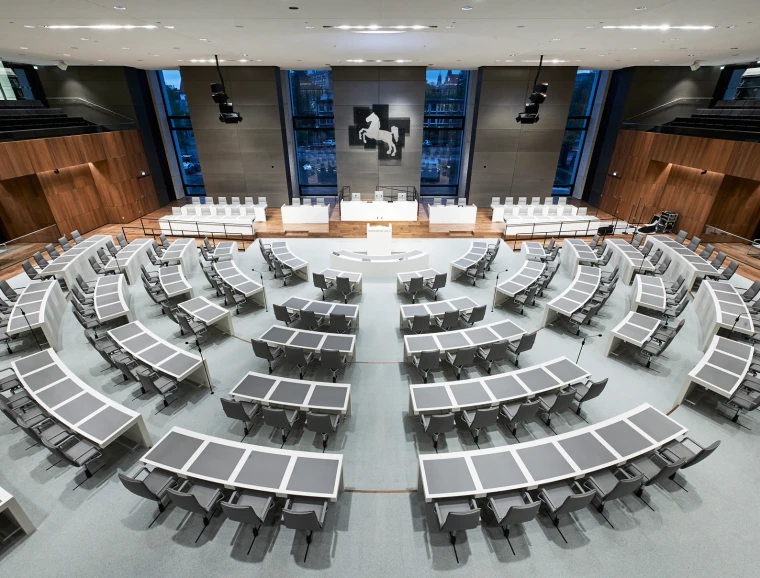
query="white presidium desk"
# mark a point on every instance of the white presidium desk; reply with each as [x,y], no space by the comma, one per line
[300,214]
[379,239]
[379,265]
[378,211]
[452,214]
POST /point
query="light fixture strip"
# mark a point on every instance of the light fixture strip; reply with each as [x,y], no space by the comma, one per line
[659,27]
[99,26]
[377,27]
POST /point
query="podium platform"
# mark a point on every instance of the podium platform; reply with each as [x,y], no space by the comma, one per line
[378,211]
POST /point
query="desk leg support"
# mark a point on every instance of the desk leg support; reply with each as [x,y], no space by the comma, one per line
[687,388]
[139,433]
[20,517]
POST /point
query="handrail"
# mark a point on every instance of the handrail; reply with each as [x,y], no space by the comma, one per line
[680,98]
[90,104]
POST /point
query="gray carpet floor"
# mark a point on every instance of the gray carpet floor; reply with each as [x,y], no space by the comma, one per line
[381,525]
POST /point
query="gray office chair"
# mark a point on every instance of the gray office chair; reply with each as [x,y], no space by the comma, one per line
[339,323]
[233,297]
[661,268]
[745,400]
[588,391]
[681,237]
[462,358]
[479,419]
[311,321]
[437,424]
[154,486]
[242,410]
[553,403]
[322,423]
[206,245]
[527,297]
[524,344]
[188,324]
[9,293]
[122,240]
[98,268]
[64,243]
[519,412]
[677,297]
[282,271]
[41,261]
[607,278]
[426,362]
[282,419]
[553,255]
[104,259]
[496,352]
[419,323]
[112,249]
[299,357]
[164,242]
[449,321]
[647,248]
[612,485]
[83,285]
[675,286]
[78,453]
[321,283]
[563,498]
[512,508]
[694,243]
[456,515]
[749,295]
[333,360]
[197,497]
[477,314]
[86,312]
[85,300]
[655,470]
[677,450]
[707,251]
[159,384]
[414,286]
[86,322]
[77,237]
[664,333]
[637,239]
[305,514]
[673,312]
[718,261]
[248,507]
[263,351]
[31,272]
[50,248]
[344,285]
[727,273]
[281,313]
[477,271]
[436,283]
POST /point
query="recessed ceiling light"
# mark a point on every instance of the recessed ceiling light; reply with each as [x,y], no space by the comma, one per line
[634,48]
[84,39]
[660,27]
[203,39]
[450,26]
[180,61]
[169,27]
[640,8]
[125,48]
[513,54]
[28,26]
[309,27]
[354,60]
[242,60]
[259,61]
[204,60]
[591,26]
[66,54]
[732,26]
[156,55]
[602,55]
[498,61]
[555,39]
[410,61]
[23,48]
[119,7]
[466,7]
[100,60]
[99,26]
[244,55]
[657,61]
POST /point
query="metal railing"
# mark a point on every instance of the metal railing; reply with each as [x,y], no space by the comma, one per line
[390,193]
[167,229]
[667,104]
[91,105]
[22,248]
[714,234]
[616,227]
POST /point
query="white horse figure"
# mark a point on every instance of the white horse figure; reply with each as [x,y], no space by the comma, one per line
[374,132]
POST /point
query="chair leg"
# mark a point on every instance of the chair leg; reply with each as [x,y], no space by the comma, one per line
[506,535]
[255,535]
[453,538]
[435,442]
[270,367]
[308,543]
[324,442]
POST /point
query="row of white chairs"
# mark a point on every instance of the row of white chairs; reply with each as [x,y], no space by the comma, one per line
[308,201]
[223,201]
[459,201]
[496,201]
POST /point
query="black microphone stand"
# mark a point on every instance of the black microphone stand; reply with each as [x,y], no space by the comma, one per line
[37,341]
[583,342]
[203,360]
[493,303]
[729,333]
[266,304]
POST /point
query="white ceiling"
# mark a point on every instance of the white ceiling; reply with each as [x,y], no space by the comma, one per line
[488,35]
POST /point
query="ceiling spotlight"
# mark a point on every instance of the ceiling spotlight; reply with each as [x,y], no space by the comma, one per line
[732,26]
[591,26]
[450,26]
[555,39]
[203,39]
[169,27]
[62,65]
[694,65]
[119,7]
[100,60]
[23,48]
[309,27]
[466,8]
[640,8]
[28,26]
[242,60]
[722,67]
[659,27]
[125,48]
[259,61]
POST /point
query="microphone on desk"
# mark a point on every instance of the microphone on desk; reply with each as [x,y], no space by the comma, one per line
[266,305]
[30,329]
[583,342]
[493,303]
[203,360]
[734,325]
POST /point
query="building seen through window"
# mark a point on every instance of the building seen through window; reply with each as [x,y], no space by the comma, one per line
[314,131]
[443,129]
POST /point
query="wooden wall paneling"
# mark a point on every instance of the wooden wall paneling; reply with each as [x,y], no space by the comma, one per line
[736,208]
[745,161]
[23,207]
[73,199]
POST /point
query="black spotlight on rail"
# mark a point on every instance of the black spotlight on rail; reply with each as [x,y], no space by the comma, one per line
[538,96]
[227,114]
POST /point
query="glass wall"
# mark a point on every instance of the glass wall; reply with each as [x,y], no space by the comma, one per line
[578,119]
[443,131]
[314,131]
[178,116]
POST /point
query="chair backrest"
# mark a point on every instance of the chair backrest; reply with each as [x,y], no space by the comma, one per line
[694,243]
[718,261]
[436,200]
[730,270]
[41,261]
[7,290]
[78,294]
[667,471]
[295,355]
[522,200]
[195,200]
[575,502]
[465,356]
[551,244]
[563,401]
[681,236]
[77,236]
[343,284]
[296,202]
[521,514]
[595,388]
[137,487]
[221,200]
[182,320]
[421,323]
[582,211]
[50,248]
[429,360]
[707,251]
[625,487]
[319,280]
[81,282]
[753,290]
[30,271]
[495,201]
[416,284]
[509,201]
[663,266]
[64,243]
[594,241]
[305,521]
[478,314]
[485,417]
[531,294]
[176,210]
[278,268]
[701,455]
[338,322]
[275,417]
[235,200]
[147,382]
[83,322]
[229,294]
[261,350]
[441,423]
[460,521]
[95,265]
[234,409]
[330,358]
[677,283]
[241,514]
[281,313]
[123,240]
[526,342]
[187,502]
[450,320]
[319,422]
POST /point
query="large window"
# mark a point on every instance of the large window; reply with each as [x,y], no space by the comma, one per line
[314,131]
[178,117]
[445,105]
[578,119]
